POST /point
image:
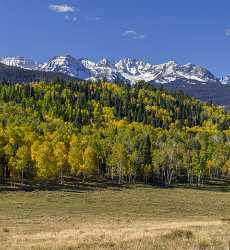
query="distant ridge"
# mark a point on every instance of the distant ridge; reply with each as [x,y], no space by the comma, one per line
[194,80]
[14,74]
[124,70]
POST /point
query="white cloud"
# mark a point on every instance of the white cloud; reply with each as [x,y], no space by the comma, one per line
[61,8]
[133,34]
[227,32]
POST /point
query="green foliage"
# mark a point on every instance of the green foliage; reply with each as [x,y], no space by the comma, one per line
[10,74]
[125,133]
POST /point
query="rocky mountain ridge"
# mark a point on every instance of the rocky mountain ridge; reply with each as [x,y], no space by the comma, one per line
[124,70]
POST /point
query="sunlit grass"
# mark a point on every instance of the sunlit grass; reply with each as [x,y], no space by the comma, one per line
[137,217]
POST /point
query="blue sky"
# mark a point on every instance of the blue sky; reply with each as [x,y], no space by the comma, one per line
[196,31]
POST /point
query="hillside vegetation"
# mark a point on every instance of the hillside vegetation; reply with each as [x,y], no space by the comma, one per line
[118,132]
[13,74]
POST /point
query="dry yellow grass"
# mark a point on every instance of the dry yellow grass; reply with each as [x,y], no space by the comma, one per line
[135,218]
[138,235]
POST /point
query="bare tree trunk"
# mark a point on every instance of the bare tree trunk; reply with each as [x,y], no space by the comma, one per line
[61,176]
[22,180]
[83,180]
[112,173]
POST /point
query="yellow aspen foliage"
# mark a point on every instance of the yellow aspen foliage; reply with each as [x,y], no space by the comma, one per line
[90,161]
[226,167]
[45,163]
[75,156]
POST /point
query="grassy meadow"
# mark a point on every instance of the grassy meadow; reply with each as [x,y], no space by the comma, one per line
[132,217]
[96,139]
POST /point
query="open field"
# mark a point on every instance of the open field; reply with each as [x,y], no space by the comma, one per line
[137,217]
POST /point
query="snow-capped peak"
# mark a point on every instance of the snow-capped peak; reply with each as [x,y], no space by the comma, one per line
[105,63]
[87,63]
[67,65]
[19,61]
[163,73]
[133,67]
[124,70]
[187,71]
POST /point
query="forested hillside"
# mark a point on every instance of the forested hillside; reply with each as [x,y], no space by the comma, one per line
[123,133]
[18,75]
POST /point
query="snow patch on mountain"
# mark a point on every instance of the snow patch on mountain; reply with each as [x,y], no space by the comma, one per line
[163,73]
[66,65]
[19,61]
[225,80]
[84,68]
[124,70]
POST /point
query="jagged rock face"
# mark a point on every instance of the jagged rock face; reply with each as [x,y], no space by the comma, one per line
[84,68]
[125,70]
[128,70]
[191,79]
[163,73]
[105,63]
[66,65]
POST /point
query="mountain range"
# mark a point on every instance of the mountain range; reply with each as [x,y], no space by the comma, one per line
[13,74]
[192,79]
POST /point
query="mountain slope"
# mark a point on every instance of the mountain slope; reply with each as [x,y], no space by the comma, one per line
[18,75]
[83,69]
[225,80]
[163,73]
[127,70]
[209,92]
[66,65]
[20,61]
[192,79]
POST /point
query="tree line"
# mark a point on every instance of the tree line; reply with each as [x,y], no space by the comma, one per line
[121,132]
